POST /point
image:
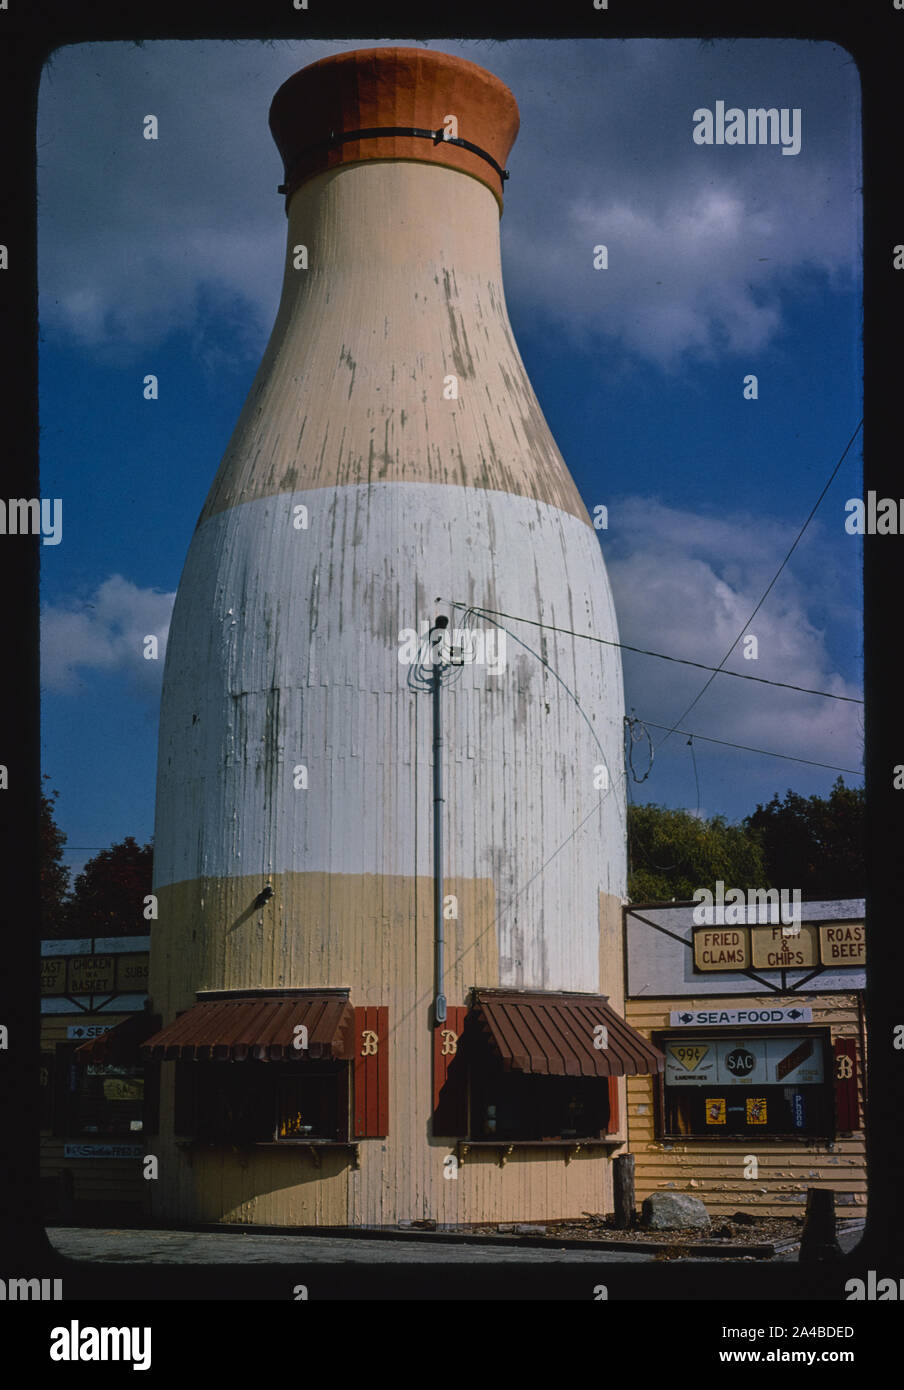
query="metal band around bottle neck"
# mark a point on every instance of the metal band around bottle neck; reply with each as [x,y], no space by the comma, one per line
[438,137]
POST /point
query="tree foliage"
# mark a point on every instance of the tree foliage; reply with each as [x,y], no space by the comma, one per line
[815,843]
[54,873]
[673,853]
[108,899]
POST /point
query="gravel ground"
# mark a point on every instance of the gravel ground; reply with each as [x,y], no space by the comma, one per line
[738,1229]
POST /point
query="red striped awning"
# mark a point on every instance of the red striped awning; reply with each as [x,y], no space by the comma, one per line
[555,1034]
[235,1027]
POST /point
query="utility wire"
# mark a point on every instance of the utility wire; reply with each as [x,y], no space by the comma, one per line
[690,744]
[642,651]
[765,751]
[769,590]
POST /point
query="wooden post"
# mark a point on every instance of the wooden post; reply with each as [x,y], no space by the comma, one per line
[819,1240]
[623,1191]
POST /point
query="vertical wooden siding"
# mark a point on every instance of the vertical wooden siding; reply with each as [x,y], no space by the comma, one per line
[714,1170]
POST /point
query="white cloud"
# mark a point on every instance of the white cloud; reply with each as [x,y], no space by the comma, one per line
[137,238]
[106,634]
[685,585]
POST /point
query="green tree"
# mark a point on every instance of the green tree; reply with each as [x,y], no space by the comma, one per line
[673,853]
[815,843]
[108,899]
[54,873]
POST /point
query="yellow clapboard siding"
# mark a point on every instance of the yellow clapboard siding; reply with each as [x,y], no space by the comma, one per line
[713,1170]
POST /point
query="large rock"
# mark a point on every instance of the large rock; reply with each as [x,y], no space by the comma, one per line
[672,1211]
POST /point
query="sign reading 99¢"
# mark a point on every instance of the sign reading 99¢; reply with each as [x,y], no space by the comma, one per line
[690,1062]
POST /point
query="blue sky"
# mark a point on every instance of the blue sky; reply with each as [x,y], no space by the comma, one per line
[165,257]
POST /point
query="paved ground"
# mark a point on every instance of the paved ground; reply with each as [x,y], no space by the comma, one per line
[192,1247]
[233,1247]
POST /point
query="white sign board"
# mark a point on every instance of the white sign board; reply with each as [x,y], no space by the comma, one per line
[743,1061]
[87,1030]
[713,1018]
[103,1150]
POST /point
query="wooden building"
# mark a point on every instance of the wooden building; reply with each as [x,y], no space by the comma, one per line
[762,1025]
[388,818]
[95,1105]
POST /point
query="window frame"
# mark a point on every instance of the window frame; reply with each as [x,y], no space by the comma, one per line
[65,1098]
[190,1077]
[476,1094]
[661,1037]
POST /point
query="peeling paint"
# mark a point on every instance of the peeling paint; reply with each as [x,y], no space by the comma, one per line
[469,501]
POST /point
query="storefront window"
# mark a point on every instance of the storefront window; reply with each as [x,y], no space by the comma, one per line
[747,1085]
[90,1099]
[520,1106]
[254,1102]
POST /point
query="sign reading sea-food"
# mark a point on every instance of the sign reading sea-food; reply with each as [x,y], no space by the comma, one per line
[714,1018]
[722,948]
[744,1061]
[843,943]
[780,948]
[87,1030]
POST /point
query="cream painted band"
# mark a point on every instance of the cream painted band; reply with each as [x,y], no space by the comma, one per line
[403,289]
[371,935]
[375,937]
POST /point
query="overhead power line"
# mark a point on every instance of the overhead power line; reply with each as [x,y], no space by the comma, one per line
[642,651]
[768,590]
[765,751]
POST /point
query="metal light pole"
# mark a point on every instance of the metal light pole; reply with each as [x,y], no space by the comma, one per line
[437,633]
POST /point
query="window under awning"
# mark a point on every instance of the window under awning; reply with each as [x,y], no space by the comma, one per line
[119,1045]
[553,1034]
[233,1027]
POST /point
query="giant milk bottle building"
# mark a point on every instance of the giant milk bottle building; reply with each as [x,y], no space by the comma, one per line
[390,883]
